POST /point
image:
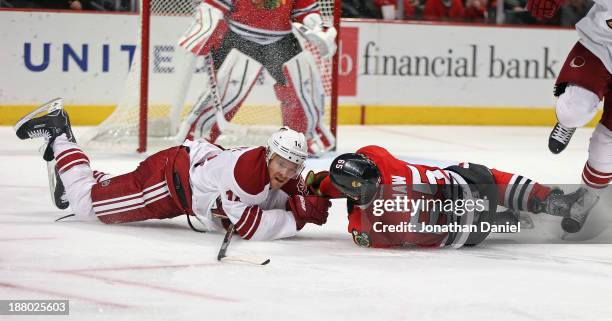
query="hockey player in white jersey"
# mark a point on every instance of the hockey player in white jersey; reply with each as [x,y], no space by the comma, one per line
[259,190]
[584,81]
[243,37]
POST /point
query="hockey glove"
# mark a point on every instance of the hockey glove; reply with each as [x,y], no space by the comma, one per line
[312,30]
[308,209]
[313,181]
[544,9]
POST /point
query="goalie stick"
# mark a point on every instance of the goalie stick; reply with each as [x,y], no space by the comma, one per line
[253,136]
[224,258]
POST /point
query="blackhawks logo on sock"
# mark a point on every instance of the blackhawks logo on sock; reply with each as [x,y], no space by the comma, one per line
[268,4]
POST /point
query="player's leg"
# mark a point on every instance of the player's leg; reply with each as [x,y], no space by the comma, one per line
[580,87]
[235,77]
[235,80]
[72,165]
[136,196]
[520,193]
[597,171]
[90,193]
[299,88]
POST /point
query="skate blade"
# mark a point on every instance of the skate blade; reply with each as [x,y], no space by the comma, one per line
[54,104]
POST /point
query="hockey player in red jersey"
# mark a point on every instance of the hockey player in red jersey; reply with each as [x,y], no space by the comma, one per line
[245,36]
[584,81]
[258,190]
[372,174]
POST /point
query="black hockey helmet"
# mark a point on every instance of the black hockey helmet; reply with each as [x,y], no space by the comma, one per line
[355,176]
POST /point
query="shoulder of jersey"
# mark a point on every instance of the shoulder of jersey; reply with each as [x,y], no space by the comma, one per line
[251,170]
[373,152]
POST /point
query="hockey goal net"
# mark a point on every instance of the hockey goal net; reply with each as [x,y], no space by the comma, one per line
[164,82]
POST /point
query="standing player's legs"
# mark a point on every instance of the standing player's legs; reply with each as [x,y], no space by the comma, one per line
[299,88]
[597,171]
[582,83]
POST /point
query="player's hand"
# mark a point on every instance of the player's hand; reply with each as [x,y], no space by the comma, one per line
[308,209]
[324,40]
[313,181]
[544,9]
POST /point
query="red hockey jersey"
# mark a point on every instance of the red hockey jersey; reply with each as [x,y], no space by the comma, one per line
[400,178]
[264,21]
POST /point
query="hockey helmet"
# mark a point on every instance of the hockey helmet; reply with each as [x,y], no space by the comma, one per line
[290,145]
[355,176]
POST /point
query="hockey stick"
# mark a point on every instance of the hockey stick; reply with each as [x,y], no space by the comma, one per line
[212,82]
[226,128]
[224,258]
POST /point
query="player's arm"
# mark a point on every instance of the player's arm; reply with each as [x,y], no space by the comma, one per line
[308,23]
[254,223]
[208,27]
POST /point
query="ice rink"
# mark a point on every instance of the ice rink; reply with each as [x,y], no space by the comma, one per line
[161,270]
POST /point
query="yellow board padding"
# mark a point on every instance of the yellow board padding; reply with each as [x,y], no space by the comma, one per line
[449,115]
[88,115]
[83,115]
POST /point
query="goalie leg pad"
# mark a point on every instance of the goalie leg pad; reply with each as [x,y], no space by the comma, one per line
[303,101]
[576,106]
[205,32]
[235,79]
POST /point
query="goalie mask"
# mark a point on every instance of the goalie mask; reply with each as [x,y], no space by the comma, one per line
[290,145]
[355,176]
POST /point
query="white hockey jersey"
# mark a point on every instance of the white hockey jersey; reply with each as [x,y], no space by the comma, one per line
[595,31]
[239,179]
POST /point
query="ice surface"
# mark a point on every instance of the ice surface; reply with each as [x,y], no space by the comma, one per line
[161,270]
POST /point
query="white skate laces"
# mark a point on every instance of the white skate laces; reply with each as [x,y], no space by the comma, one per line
[562,134]
[38,133]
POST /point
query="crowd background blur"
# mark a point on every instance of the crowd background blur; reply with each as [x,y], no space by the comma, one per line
[482,11]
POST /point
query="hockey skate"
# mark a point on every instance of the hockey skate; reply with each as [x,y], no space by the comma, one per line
[514,217]
[580,211]
[573,207]
[54,123]
[560,138]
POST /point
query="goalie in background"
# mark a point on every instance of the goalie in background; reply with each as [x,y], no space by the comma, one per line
[372,173]
[258,189]
[244,36]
